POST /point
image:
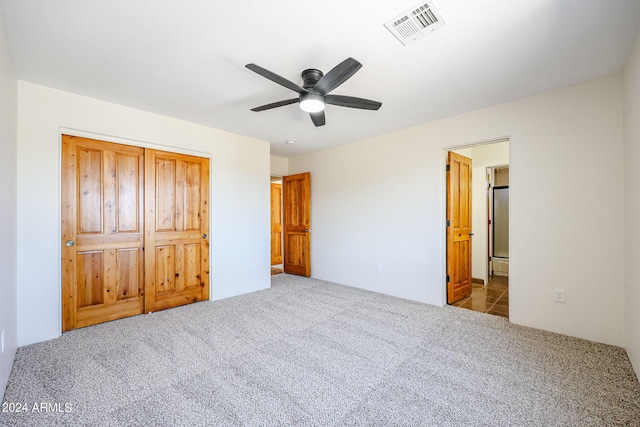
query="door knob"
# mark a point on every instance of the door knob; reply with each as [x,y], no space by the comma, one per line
[306,230]
[69,243]
[204,236]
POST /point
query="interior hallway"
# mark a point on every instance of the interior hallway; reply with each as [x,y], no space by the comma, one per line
[492,298]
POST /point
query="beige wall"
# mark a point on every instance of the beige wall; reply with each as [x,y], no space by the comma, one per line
[381,201]
[279,166]
[632,204]
[8,201]
[240,169]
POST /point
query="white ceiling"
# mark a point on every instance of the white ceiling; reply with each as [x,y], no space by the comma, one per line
[185,58]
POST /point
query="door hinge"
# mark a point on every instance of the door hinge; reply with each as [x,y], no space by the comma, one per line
[448,223]
[448,278]
[448,168]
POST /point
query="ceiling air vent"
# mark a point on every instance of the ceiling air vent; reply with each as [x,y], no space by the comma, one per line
[416,22]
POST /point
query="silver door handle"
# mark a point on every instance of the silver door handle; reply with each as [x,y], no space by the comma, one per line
[69,243]
[306,230]
[204,236]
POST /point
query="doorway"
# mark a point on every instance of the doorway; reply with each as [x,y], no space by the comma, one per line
[291,224]
[489,270]
[276,225]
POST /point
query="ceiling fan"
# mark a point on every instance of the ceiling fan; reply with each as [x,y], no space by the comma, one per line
[314,92]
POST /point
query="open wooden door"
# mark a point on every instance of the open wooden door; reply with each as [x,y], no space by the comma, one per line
[296,199]
[102,226]
[276,224]
[458,227]
[176,229]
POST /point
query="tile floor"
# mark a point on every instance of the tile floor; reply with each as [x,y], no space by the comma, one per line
[492,298]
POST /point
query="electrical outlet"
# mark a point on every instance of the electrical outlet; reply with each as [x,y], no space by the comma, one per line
[252,269]
[558,296]
[378,268]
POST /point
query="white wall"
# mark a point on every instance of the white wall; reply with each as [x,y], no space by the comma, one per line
[279,166]
[8,200]
[382,201]
[239,196]
[632,204]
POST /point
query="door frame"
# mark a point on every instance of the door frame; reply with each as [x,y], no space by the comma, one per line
[281,178]
[443,203]
[133,143]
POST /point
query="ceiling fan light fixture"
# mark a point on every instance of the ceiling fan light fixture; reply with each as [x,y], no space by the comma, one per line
[311,103]
[313,95]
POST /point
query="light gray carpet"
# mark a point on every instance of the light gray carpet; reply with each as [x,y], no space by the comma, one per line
[308,352]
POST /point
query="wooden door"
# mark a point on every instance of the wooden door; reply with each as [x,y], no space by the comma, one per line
[102,231]
[176,229]
[296,198]
[276,224]
[459,227]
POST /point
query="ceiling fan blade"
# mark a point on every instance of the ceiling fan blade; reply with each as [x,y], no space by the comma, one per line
[338,75]
[352,102]
[276,104]
[318,118]
[276,78]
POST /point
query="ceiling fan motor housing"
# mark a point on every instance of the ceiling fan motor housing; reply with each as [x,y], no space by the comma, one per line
[310,77]
[313,101]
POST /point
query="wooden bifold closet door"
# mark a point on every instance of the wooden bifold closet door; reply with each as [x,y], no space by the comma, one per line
[134,231]
[102,232]
[176,229]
